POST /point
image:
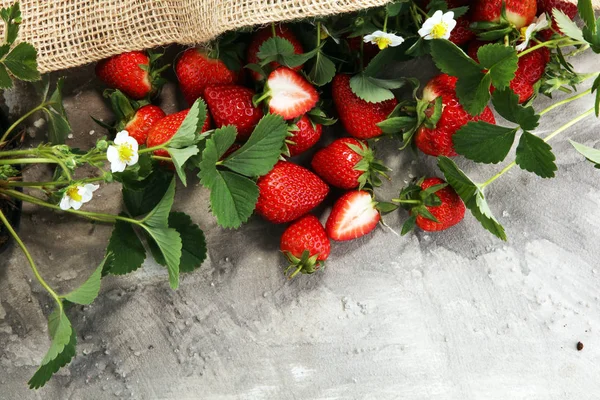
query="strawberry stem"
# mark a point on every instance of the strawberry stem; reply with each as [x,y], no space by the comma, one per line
[546,139]
[385,21]
[565,101]
[273,30]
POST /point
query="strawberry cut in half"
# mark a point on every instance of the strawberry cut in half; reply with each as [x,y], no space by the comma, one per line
[290,95]
[353,215]
[432,204]
[305,245]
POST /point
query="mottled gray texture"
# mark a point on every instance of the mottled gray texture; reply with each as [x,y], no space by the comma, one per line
[454,315]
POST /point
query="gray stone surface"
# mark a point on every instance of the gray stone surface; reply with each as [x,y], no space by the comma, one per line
[453,315]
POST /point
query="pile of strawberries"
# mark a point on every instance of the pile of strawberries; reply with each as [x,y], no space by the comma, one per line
[289,192]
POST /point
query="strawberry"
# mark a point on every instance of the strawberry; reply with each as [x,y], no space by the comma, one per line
[462,34]
[306,245]
[290,95]
[437,140]
[144,118]
[288,192]
[433,205]
[305,136]
[195,71]
[347,163]
[263,35]
[232,105]
[353,215]
[520,13]
[360,118]
[164,130]
[132,73]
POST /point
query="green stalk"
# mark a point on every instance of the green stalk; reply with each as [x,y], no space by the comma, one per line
[565,101]
[385,21]
[51,183]
[546,139]
[91,215]
[550,43]
[28,161]
[30,260]
[18,122]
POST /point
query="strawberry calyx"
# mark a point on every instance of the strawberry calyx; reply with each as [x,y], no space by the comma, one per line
[416,200]
[155,73]
[123,107]
[306,264]
[228,49]
[371,168]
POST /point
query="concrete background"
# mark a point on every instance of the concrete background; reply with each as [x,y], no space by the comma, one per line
[452,315]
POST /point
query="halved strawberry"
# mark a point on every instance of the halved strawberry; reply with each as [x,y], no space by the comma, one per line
[352,216]
[290,94]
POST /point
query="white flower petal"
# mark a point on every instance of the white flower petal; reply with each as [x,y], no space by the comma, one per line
[92,188]
[451,25]
[447,17]
[65,202]
[521,46]
[132,142]
[121,137]
[437,16]
[112,154]
[134,159]
[117,166]
[75,204]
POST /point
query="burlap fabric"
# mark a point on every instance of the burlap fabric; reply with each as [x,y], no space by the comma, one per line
[68,33]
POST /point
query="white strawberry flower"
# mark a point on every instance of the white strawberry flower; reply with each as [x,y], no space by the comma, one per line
[438,26]
[76,195]
[384,39]
[124,153]
[539,24]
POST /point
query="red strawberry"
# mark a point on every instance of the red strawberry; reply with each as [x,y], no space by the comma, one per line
[305,137]
[232,105]
[352,216]
[196,70]
[164,130]
[143,120]
[306,245]
[347,163]
[461,34]
[263,35]
[125,72]
[520,13]
[288,192]
[290,94]
[359,117]
[430,199]
[438,141]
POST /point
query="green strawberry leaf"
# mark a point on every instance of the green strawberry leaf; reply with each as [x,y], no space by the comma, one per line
[500,61]
[232,197]
[281,51]
[58,123]
[61,351]
[22,62]
[535,155]
[159,215]
[122,107]
[586,12]
[193,250]
[262,150]
[141,197]
[128,253]
[506,103]
[88,291]
[591,154]
[483,142]
[471,195]
[180,157]
[451,60]
[567,26]
[5,81]
[12,19]
[169,242]
[596,88]
[370,89]
[322,71]
[189,131]
[474,92]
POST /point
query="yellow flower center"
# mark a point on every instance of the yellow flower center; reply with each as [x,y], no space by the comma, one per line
[73,193]
[324,34]
[439,30]
[125,152]
[523,33]
[383,42]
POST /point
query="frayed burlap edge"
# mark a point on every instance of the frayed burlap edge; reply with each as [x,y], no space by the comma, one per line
[69,33]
